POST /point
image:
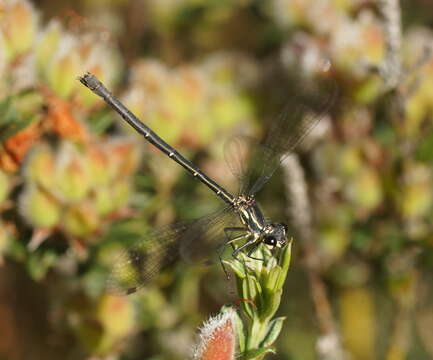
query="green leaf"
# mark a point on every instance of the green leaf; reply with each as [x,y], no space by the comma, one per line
[252,288]
[274,329]
[284,262]
[249,289]
[12,120]
[271,281]
[15,126]
[257,353]
[6,111]
[271,302]
[17,250]
[99,122]
[39,264]
[424,150]
[237,267]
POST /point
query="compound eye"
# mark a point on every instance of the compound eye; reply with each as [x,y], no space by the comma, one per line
[270,240]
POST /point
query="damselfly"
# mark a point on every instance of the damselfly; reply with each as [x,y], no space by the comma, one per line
[240,222]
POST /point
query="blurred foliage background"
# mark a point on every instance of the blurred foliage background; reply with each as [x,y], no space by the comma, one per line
[76,185]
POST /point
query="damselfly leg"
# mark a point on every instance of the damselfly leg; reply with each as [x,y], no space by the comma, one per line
[251,242]
[228,231]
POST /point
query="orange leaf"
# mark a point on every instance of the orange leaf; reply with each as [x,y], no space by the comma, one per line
[16,147]
[61,121]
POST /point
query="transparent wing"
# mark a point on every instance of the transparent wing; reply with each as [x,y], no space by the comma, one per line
[237,154]
[139,264]
[202,242]
[245,157]
[300,115]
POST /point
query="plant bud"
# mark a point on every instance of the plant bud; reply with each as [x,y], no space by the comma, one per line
[416,200]
[416,193]
[38,207]
[4,186]
[116,314]
[65,61]
[40,166]
[80,220]
[218,338]
[72,180]
[103,200]
[18,25]
[124,157]
[47,45]
[98,165]
[121,191]
[365,189]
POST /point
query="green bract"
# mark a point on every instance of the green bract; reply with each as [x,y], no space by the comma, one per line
[260,286]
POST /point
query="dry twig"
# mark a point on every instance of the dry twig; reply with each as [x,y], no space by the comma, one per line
[329,343]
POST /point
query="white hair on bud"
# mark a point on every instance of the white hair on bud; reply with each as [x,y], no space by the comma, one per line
[207,331]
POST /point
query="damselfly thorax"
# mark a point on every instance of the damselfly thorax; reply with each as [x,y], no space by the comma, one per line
[256,228]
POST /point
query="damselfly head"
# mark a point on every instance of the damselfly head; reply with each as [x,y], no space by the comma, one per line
[275,235]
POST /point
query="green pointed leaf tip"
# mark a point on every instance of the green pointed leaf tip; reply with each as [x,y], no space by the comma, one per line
[271,303]
[261,281]
[237,267]
[271,280]
[286,255]
[284,262]
[271,264]
[257,353]
[274,329]
[249,287]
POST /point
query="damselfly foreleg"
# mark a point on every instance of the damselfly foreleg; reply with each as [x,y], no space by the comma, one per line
[228,231]
[249,254]
[230,241]
[252,242]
